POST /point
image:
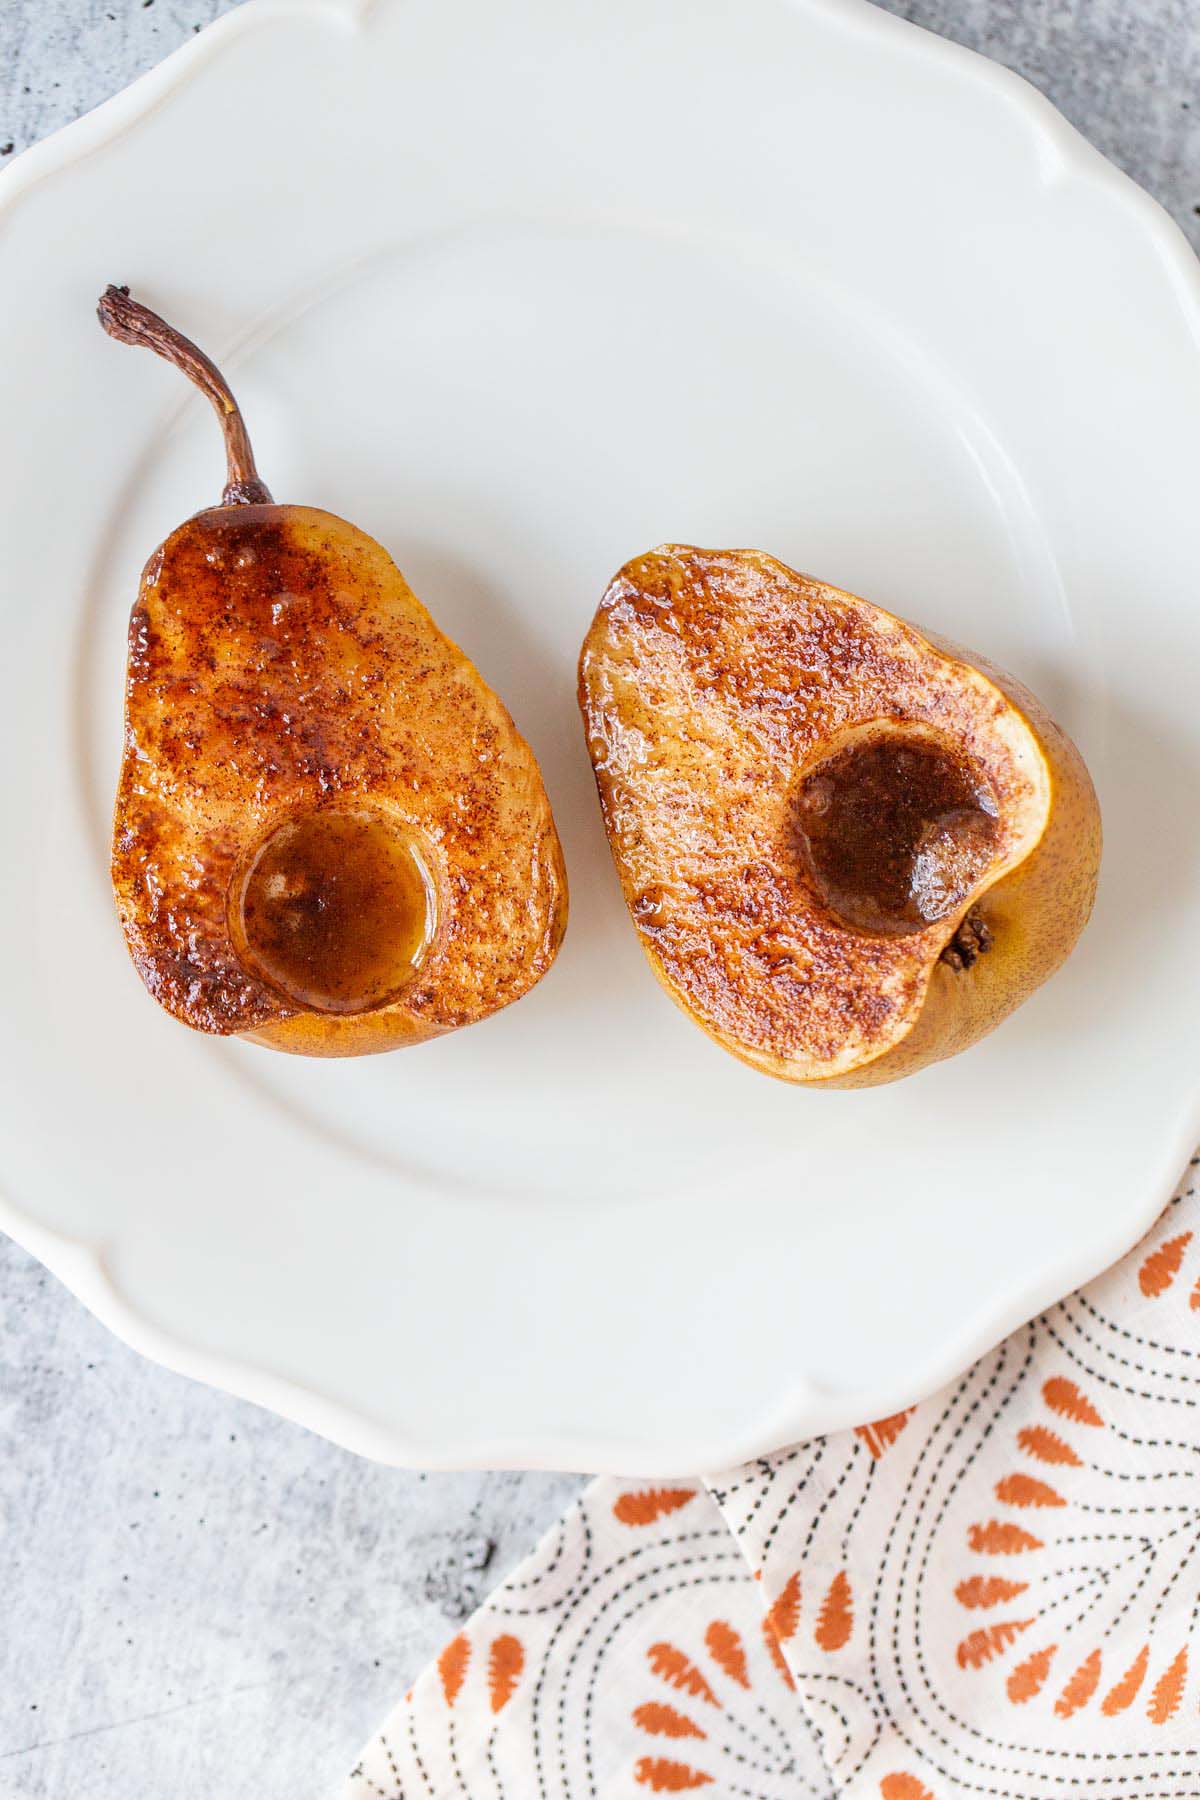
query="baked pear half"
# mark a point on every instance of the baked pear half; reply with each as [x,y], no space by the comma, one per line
[329,835]
[848,848]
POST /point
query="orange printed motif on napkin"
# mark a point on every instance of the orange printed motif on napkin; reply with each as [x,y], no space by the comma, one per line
[628,1655]
[1026,1556]
[995,1592]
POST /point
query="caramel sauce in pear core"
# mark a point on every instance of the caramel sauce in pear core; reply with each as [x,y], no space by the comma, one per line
[335,910]
[893,832]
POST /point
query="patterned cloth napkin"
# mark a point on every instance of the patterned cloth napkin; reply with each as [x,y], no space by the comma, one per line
[994,1593]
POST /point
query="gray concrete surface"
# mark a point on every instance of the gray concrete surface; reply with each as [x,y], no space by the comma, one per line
[198,1600]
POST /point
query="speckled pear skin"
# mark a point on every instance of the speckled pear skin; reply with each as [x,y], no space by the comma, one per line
[707,682]
[278,663]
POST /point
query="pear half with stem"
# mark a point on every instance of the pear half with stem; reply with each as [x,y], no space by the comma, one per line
[329,835]
[848,848]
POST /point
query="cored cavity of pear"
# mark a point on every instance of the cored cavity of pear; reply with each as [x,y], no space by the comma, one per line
[335,909]
[329,836]
[848,848]
[893,829]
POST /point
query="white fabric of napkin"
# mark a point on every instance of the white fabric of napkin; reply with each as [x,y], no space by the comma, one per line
[995,1593]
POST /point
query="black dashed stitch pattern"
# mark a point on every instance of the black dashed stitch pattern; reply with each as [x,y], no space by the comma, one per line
[393,1766]
[825,1676]
[416,1750]
[826,1503]
[1135,1393]
[785,1509]
[1122,1331]
[860,1450]
[721,1579]
[725,1717]
[1126,1362]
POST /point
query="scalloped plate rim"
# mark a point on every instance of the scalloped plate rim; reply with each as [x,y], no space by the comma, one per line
[83,1267]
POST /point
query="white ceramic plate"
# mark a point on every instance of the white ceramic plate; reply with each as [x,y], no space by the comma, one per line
[522,290]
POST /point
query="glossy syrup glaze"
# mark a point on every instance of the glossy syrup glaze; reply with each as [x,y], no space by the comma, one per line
[335,909]
[892,832]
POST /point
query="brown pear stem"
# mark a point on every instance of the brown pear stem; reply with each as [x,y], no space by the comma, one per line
[132,323]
